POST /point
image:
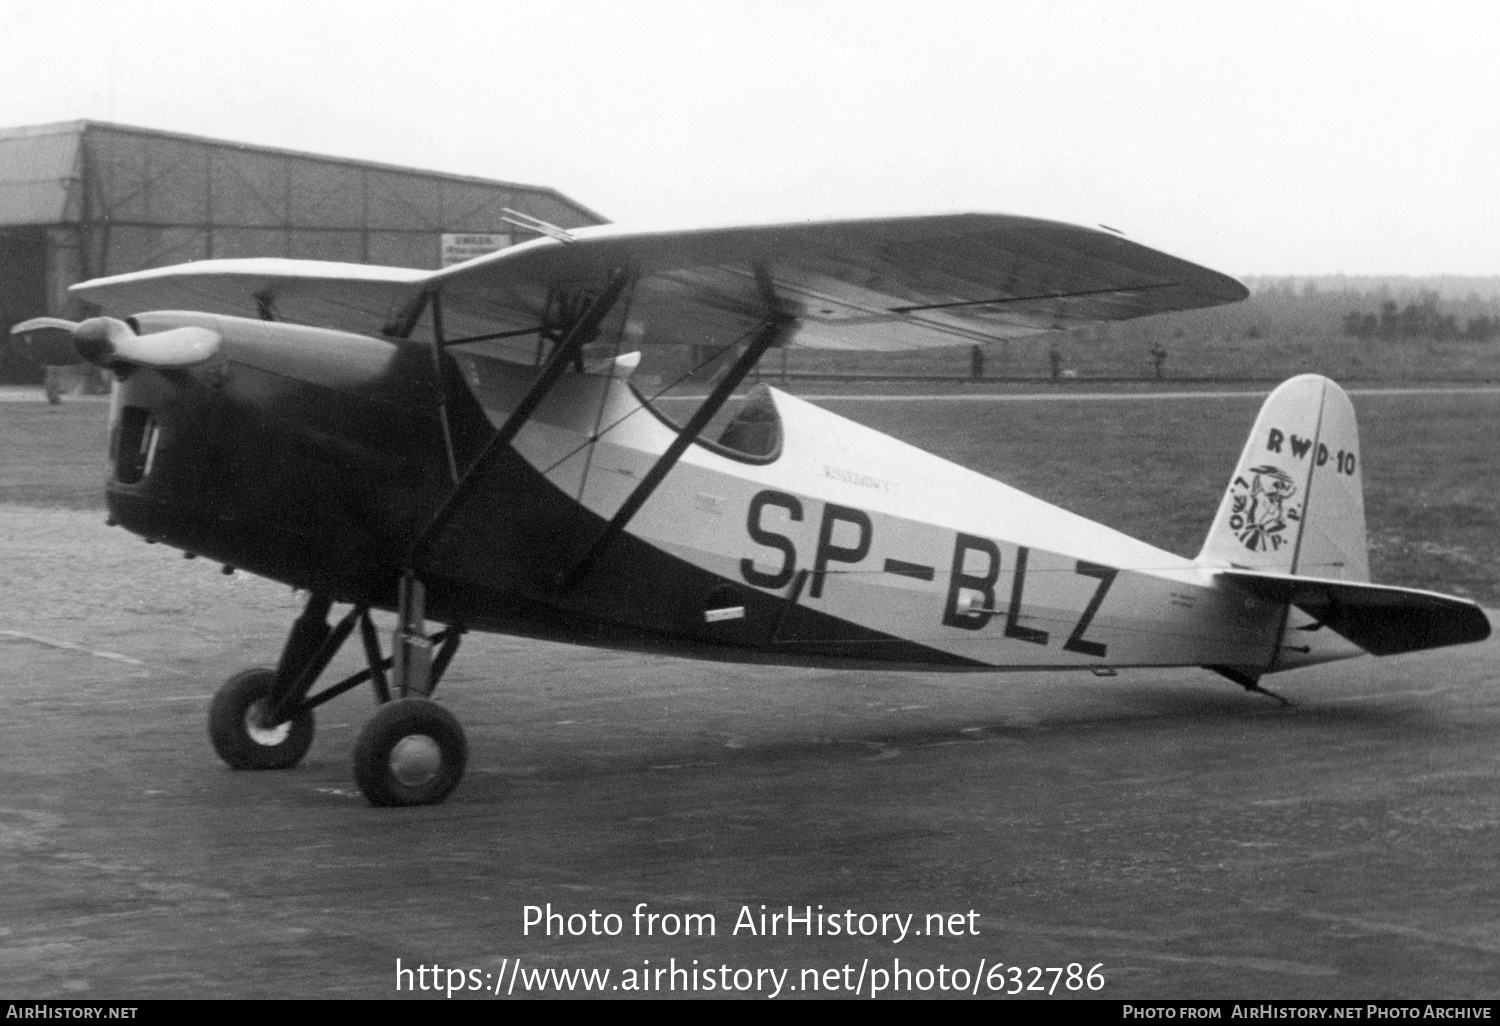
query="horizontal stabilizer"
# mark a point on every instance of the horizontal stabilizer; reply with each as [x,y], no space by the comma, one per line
[1378,618]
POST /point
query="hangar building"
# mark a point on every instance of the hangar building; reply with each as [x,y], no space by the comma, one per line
[85,199]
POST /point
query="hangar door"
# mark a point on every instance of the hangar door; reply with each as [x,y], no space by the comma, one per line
[23,294]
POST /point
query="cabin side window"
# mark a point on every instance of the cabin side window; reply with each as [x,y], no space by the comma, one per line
[751,432]
[755,430]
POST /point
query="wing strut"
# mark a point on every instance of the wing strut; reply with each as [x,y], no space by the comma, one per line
[772,330]
[442,384]
[581,331]
[412,649]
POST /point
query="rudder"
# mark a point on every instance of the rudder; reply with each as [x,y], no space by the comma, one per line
[1295,503]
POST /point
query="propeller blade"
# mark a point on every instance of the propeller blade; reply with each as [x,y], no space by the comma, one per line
[47,341]
[106,341]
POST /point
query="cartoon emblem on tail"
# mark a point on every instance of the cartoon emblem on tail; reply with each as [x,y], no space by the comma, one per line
[1259,512]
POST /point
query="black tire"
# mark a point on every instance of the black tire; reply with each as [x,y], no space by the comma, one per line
[411,752]
[237,736]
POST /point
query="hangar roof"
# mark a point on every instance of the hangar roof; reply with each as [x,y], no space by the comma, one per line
[85,171]
[37,168]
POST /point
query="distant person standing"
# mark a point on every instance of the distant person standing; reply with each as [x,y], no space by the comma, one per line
[1054,356]
[976,362]
[1159,359]
[56,381]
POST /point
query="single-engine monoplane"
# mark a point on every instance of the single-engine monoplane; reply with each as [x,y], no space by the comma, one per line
[466,448]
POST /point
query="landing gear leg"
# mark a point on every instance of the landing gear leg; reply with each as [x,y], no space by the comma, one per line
[412,751]
[259,719]
[411,648]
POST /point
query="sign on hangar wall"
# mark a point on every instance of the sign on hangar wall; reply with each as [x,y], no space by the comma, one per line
[458,248]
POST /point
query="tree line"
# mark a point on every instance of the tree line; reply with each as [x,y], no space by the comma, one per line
[1419,318]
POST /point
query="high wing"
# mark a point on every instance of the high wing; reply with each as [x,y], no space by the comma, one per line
[353,297]
[878,284]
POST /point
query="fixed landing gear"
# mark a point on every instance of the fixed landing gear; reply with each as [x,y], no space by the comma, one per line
[411,752]
[237,725]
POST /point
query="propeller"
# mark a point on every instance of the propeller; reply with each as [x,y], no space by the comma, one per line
[106,341]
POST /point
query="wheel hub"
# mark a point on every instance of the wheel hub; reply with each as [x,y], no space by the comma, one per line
[416,760]
[261,734]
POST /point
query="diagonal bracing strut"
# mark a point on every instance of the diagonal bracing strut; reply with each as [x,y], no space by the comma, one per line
[580,332]
[413,666]
[312,645]
[771,331]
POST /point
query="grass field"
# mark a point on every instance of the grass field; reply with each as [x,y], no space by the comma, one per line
[1190,356]
[1155,470]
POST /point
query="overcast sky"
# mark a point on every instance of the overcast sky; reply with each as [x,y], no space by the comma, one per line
[1257,138]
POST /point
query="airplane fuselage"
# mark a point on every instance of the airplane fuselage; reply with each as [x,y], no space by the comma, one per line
[316,458]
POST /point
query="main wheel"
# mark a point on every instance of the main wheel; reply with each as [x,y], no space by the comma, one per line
[236,730]
[411,752]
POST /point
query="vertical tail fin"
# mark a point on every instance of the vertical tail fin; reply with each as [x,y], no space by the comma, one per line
[1295,503]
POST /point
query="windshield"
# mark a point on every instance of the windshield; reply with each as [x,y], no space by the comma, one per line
[747,429]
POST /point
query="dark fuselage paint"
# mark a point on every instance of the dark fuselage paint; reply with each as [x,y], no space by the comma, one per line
[315,458]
